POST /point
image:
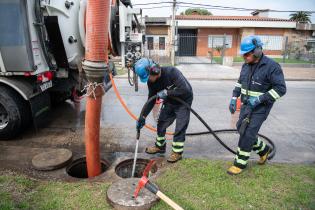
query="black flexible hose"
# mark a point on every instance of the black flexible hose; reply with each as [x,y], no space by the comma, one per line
[210,131]
[130,80]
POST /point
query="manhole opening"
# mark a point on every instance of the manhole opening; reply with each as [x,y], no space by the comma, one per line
[78,168]
[124,168]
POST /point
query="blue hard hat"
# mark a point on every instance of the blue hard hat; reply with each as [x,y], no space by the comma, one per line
[141,68]
[249,43]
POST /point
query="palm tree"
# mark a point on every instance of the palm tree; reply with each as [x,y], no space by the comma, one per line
[301,17]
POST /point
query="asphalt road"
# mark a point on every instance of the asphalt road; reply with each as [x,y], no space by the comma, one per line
[290,125]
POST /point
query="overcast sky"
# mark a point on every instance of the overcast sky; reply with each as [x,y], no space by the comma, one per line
[308,5]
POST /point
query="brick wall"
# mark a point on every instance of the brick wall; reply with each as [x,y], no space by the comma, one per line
[237,35]
[157,30]
[202,40]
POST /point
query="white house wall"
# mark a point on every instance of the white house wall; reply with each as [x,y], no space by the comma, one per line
[234,24]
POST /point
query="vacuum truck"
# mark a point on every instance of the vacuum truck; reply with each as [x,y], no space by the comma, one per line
[41,50]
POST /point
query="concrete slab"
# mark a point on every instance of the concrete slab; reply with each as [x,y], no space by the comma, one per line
[209,72]
[193,60]
[51,160]
[120,196]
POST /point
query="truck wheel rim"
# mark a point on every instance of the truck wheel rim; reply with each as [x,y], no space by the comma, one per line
[4,117]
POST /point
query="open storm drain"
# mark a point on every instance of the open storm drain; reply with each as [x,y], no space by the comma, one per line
[78,168]
[124,168]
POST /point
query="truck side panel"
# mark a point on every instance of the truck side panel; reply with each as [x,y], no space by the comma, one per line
[15,42]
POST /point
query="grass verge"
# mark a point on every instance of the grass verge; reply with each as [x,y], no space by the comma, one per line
[194,184]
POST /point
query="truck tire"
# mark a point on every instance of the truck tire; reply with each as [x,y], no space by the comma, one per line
[14,113]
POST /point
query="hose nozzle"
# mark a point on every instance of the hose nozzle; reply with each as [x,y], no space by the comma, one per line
[138,134]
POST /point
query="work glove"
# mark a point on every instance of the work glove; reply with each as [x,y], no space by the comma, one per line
[232,106]
[162,94]
[253,102]
[140,123]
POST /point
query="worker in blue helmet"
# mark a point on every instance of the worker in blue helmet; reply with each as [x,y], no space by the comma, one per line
[166,82]
[260,84]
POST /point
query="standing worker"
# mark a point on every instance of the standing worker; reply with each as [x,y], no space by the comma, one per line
[260,84]
[166,82]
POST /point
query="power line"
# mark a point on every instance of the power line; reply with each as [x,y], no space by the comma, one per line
[153,3]
[157,7]
[216,7]
[239,8]
[144,8]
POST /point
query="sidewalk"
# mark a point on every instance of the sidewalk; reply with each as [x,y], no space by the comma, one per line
[295,73]
[219,72]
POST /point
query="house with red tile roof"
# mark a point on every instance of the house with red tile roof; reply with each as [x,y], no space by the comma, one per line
[201,35]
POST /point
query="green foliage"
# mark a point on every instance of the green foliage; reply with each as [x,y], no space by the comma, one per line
[301,17]
[219,48]
[194,184]
[203,185]
[196,11]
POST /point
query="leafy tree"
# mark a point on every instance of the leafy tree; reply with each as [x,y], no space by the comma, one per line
[196,11]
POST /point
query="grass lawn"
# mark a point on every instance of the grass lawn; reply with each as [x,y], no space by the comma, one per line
[280,60]
[217,60]
[121,71]
[194,184]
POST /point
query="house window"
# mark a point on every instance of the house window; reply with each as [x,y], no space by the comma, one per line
[311,44]
[162,43]
[150,43]
[218,41]
[271,42]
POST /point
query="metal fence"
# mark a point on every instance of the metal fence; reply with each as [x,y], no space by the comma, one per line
[300,50]
[206,49]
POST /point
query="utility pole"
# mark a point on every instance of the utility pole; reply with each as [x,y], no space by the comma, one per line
[173,34]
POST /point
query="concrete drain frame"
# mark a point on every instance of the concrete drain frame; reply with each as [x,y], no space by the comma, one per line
[77,168]
[114,168]
[117,172]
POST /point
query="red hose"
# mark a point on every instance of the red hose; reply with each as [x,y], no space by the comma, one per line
[122,102]
[96,50]
[97,23]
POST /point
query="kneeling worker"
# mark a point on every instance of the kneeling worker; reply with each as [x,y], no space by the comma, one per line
[166,82]
[260,84]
